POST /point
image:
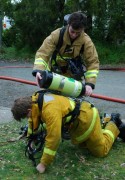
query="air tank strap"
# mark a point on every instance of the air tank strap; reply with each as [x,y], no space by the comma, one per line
[40,98]
[74,113]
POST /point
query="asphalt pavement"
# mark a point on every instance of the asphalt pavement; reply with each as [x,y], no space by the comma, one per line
[109,83]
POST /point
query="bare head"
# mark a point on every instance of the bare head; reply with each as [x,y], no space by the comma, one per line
[76,24]
[20,108]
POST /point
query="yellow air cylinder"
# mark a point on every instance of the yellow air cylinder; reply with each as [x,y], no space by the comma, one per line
[67,86]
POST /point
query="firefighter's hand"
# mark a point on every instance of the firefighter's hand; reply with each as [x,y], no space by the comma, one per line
[38,78]
[41,168]
[88,90]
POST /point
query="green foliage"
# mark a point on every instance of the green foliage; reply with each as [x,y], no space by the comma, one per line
[13,54]
[71,6]
[9,36]
[116,18]
[34,20]
[71,162]
[110,54]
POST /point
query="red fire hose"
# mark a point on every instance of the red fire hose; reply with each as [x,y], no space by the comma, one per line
[113,69]
[18,80]
[110,69]
[2,67]
[34,83]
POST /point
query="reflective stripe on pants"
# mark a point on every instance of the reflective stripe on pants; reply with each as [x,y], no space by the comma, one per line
[88,132]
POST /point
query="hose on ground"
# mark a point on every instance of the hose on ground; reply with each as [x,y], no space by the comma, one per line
[93,95]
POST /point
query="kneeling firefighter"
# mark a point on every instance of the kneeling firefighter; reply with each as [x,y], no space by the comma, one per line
[81,118]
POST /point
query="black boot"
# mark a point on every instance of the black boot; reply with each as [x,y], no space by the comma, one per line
[115,117]
[122,131]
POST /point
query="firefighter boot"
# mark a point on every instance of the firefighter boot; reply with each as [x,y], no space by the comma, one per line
[115,117]
[122,131]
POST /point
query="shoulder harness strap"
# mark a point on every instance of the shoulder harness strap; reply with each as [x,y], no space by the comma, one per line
[41,94]
[75,112]
[60,41]
[40,98]
[59,44]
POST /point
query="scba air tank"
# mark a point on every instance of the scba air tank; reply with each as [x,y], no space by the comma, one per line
[67,86]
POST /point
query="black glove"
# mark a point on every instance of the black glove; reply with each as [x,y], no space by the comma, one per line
[35,71]
[90,84]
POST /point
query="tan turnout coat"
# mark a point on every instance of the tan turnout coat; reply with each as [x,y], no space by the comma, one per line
[90,56]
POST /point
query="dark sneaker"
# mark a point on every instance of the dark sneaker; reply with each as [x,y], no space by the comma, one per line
[122,131]
[115,117]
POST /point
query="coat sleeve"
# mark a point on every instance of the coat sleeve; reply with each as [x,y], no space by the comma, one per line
[53,120]
[46,50]
[91,61]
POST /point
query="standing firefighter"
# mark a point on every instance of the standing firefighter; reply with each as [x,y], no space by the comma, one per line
[66,50]
[81,119]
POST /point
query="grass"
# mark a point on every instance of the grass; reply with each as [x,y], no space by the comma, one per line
[11,53]
[108,54]
[71,162]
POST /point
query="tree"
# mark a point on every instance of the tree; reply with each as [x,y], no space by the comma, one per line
[34,20]
[116,21]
